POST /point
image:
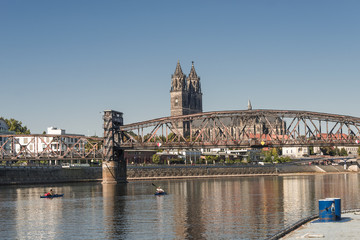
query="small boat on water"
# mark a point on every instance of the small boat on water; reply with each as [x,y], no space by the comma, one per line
[159,190]
[160,193]
[52,196]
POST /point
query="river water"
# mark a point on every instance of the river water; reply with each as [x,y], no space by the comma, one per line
[207,208]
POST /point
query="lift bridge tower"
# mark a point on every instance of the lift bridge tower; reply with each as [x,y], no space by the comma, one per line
[114,165]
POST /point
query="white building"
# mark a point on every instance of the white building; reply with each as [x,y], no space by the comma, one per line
[189,155]
[295,152]
[193,155]
[48,143]
[351,150]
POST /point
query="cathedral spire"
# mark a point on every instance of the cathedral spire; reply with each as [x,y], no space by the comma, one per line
[249,105]
[193,80]
[178,79]
[193,74]
[178,71]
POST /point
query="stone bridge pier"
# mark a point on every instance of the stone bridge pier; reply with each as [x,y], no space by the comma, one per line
[114,165]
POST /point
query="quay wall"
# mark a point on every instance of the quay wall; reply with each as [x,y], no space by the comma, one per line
[35,175]
[139,173]
[152,172]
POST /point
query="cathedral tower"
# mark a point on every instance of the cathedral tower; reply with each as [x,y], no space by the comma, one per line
[178,93]
[194,88]
[185,92]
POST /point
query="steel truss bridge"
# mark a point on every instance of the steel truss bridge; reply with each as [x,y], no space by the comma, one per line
[50,147]
[240,129]
[221,129]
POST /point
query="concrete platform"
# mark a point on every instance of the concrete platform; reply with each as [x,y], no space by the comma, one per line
[346,228]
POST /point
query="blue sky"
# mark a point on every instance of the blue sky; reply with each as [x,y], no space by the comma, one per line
[62,63]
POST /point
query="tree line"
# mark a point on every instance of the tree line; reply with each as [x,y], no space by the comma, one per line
[16,126]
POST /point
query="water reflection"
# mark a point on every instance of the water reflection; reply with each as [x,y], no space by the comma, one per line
[220,208]
[113,205]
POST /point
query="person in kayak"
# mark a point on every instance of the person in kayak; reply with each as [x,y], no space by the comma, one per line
[50,193]
[159,190]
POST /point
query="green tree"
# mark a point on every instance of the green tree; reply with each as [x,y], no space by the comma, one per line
[211,158]
[16,126]
[272,156]
[267,155]
[171,136]
[275,154]
[177,161]
[229,161]
[311,150]
[332,151]
[343,152]
[156,158]
[328,151]
[284,159]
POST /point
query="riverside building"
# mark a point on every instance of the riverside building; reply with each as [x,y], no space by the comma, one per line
[48,142]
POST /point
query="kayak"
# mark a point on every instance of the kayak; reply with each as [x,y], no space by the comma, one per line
[52,196]
[160,193]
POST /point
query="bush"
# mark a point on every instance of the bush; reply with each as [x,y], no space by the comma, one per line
[177,161]
[211,159]
[156,159]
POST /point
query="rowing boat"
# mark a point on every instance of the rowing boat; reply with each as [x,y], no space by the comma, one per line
[160,193]
[52,196]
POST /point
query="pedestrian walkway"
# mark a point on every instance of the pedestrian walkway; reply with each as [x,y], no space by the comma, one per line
[346,228]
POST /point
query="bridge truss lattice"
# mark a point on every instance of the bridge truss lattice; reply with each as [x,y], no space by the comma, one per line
[247,128]
[48,147]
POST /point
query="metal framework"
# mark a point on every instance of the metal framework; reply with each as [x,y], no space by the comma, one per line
[50,147]
[247,128]
[114,164]
[112,135]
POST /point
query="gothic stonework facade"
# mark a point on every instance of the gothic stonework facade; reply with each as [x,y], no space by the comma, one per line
[186,98]
[185,92]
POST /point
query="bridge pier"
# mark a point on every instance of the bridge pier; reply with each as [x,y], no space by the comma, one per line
[114,165]
[113,172]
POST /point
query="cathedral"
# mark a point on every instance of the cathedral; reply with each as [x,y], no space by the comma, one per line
[186,98]
[185,92]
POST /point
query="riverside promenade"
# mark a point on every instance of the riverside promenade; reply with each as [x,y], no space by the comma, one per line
[346,228]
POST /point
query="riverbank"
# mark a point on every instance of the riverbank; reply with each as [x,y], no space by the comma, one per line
[310,227]
[48,174]
[57,174]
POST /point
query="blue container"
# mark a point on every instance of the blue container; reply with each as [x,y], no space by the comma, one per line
[337,207]
[327,210]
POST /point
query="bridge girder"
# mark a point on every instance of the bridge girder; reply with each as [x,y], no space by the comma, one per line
[246,128]
[50,147]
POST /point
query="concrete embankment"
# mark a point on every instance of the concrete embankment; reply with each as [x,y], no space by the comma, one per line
[198,171]
[34,175]
[345,228]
